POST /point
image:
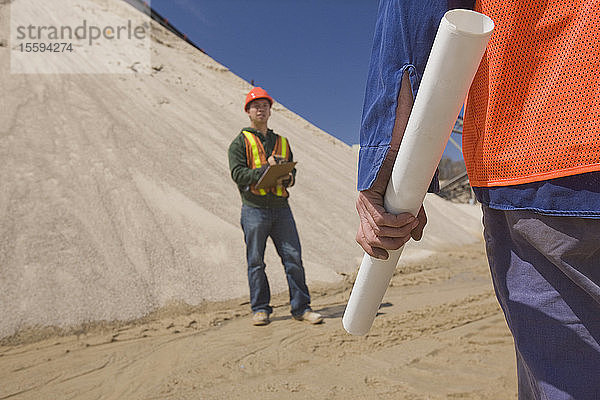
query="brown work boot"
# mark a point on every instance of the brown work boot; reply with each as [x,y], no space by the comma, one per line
[311,317]
[260,318]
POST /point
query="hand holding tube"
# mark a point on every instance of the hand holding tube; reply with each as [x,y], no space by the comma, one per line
[455,56]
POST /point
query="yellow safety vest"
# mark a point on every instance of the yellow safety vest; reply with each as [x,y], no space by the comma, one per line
[256,157]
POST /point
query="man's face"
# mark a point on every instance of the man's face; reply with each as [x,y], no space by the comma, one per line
[259,110]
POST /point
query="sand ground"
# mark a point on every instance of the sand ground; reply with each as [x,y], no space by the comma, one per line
[440,335]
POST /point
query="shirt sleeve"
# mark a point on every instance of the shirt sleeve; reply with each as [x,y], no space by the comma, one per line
[404,34]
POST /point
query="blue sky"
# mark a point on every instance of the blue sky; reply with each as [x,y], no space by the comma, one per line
[310,55]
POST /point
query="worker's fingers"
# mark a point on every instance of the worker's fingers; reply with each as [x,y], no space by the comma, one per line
[367,209]
[370,235]
[372,251]
[284,178]
[387,243]
[366,236]
[271,160]
[373,204]
[417,232]
[383,223]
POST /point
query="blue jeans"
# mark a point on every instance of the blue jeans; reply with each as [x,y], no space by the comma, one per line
[278,223]
[546,273]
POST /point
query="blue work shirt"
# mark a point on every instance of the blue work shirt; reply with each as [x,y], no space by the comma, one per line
[404,34]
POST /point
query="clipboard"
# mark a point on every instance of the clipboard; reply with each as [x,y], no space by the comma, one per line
[273,172]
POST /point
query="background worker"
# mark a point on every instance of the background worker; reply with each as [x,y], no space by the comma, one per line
[266,212]
[531,144]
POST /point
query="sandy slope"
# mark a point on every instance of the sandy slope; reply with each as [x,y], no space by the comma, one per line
[116,190]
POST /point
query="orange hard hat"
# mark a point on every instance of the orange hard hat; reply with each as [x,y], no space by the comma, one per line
[257,93]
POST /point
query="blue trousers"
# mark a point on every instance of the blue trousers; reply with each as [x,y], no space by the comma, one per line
[278,223]
[546,274]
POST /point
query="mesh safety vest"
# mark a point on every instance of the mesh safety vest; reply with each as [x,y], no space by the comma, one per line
[533,111]
[256,158]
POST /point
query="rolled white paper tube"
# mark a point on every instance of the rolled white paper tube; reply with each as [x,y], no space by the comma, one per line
[457,50]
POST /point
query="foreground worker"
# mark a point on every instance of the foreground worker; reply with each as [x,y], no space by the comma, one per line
[266,213]
[531,144]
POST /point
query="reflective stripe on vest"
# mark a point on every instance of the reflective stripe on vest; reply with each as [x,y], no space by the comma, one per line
[279,189]
[283,147]
[257,163]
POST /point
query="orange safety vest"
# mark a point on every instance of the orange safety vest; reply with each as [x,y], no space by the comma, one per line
[533,110]
[256,158]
